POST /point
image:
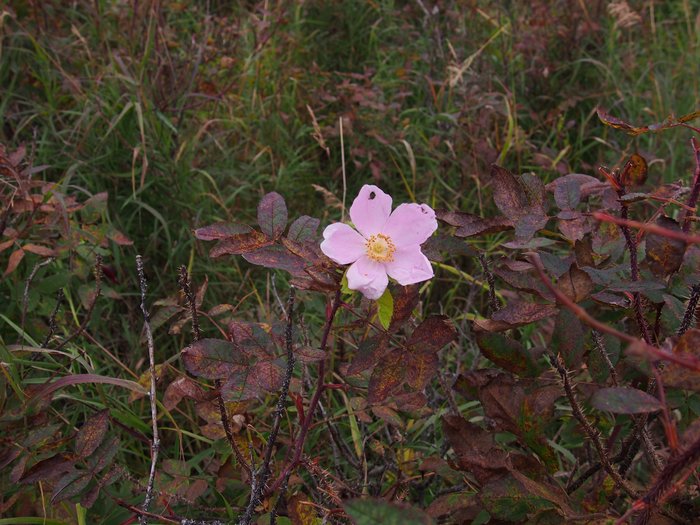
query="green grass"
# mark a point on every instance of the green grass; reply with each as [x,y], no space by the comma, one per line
[186,118]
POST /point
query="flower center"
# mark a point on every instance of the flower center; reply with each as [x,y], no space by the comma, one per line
[380,248]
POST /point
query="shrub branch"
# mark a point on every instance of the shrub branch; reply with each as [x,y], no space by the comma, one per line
[155,443]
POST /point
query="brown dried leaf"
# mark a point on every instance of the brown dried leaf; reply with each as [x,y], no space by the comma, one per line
[92,433]
[475,449]
[433,333]
[220,231]
[421,367]
[635,171]
[674,375]
[387,376]
[368,354]
[522,313]
[240,244]
[663,254]
[469,225]
[213,358]
[180,388]
[48,469]
[575,284]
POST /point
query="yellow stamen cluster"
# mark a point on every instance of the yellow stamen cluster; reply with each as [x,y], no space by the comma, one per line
[380,248]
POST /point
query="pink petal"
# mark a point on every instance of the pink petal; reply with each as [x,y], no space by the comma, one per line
[370,210]
[368,277]
[410,224]
[409,266]
[342,244]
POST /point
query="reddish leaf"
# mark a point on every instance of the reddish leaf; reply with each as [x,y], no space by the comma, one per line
[369,352]
[469,225]
[308,354]
[14,261]
[524,279]
[48,469]
[70,485]
[575,284]
[266,375]
[635,171]
[475,449]
[674,375]
[220,231]
[568,338]
[529,224]
[410,401]
[44,251]
[213,358]
[278,257]
[389,415]
[438,244]
[252,339]
[272,215]
[507,353]
[421,367]
[617,123]
[180,388]
[522,313]
[6,244]
[567,194]
[104,454]
[92,433]
[516,196]
[387,376]
[433,333]
[587,185]
[303,229]
[405,301]
[623,400]
[664,255]
[240,244]
[119,238]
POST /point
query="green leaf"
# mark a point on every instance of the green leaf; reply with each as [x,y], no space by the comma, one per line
[378,512]
[344,285]
[385,309]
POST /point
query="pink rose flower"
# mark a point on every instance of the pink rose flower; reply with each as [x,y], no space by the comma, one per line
[387,245]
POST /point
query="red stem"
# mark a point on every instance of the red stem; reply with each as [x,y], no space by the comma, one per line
[320,388]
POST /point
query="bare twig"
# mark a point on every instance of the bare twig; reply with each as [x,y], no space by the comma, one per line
[155,443]
[631,242]
[226,422]
[306,424]
[191,301]
[186,286]
[52,319]
[690,309]
[590,431]
[493,300]
[684,464]
[263,472]
[600,347]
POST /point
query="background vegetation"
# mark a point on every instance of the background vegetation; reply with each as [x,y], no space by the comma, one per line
[131,124]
